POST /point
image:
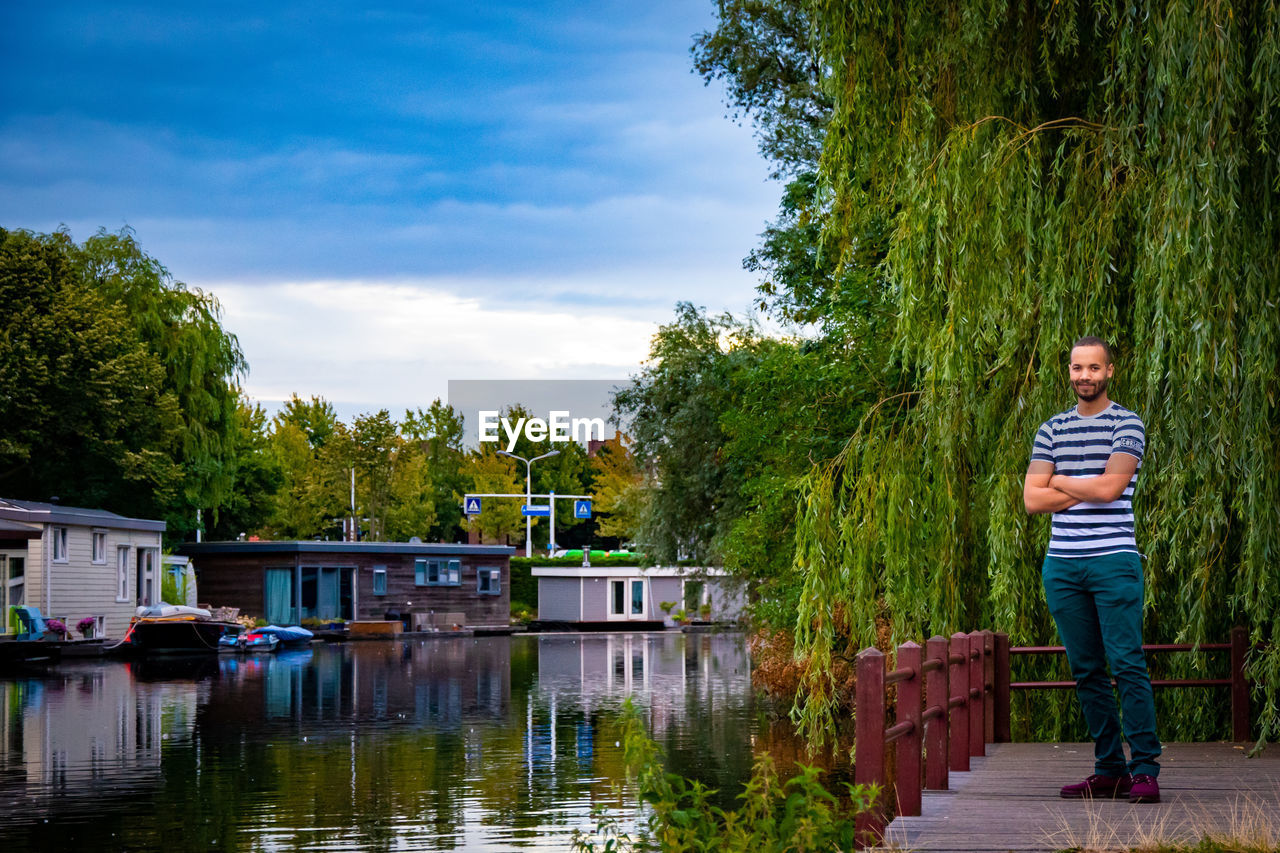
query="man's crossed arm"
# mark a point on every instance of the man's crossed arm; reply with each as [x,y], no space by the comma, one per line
[1044,491]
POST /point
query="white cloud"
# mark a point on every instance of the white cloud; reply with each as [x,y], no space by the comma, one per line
[368,345]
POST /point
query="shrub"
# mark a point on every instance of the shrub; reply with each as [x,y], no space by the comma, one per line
[799,814]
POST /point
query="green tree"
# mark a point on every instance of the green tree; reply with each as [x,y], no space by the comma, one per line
[674,407]
[438,430]
[316,418]
[300,508]
[203,363]
[374,445]
[119,381]
[620,491]
[490,473]
[1044,171]
[763,51]
[258,477]
[412,509]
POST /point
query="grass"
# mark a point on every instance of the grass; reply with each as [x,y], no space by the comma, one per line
[1246,827]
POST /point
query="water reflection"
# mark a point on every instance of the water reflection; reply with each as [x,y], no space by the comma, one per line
[461,743]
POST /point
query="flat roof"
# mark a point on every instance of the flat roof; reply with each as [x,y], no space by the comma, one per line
[627,571]
[40,512]
[312,546]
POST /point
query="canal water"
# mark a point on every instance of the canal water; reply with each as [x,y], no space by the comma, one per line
[500,743]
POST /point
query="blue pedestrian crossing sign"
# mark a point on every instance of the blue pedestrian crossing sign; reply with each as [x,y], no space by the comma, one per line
[471,506]
[582,509]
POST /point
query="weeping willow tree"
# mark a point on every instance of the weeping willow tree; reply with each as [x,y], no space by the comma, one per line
[1051,169]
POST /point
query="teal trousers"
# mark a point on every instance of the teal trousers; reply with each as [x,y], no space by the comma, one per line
[1097,605]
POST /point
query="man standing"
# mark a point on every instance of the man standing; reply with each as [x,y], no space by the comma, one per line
[1083,469]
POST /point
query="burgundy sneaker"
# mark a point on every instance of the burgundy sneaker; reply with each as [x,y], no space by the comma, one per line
[1144,789]
[1098,786]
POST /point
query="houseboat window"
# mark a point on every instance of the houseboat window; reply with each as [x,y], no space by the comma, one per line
[637,598]
[325,594]
[490,581]
[379,580]
[618,596]
[100,546]
[437,572]
[122,573]
[60,544]
[280,596]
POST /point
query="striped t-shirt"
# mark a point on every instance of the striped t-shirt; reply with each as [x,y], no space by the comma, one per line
[1080,447]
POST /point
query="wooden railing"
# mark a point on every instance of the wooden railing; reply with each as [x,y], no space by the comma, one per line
[953,698]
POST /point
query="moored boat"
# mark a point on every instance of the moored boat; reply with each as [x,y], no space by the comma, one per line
[292,637]
[174,629]
[250,641]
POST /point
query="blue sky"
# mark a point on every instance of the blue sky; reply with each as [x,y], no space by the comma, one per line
[387,197]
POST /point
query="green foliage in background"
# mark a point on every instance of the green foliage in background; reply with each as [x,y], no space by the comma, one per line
[1041,171]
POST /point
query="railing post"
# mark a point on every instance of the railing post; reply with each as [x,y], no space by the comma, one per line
[959,715]
[868,748]
[977,716]
[1003,732]
[1240,721]
[935,731]
[988,687]
[907,748]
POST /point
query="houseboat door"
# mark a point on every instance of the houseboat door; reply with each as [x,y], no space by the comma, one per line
[12,581]
[626,599]
[147,577]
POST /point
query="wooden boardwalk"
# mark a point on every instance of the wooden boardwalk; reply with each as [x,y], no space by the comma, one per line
[1009,802]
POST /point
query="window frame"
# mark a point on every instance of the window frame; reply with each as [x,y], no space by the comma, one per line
[59,544]
[10,582]
[494,576]
[380,580]
[122,572]
[437,572]
[98,543]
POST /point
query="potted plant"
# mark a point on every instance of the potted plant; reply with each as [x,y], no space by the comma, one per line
[57,626]
[87,626]
[681,617]
[704,611]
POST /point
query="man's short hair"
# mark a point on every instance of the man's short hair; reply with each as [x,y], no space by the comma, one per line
[1092,341]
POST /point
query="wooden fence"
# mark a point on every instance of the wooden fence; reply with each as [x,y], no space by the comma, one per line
[953,698]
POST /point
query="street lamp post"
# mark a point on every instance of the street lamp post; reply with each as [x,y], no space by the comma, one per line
[528,494]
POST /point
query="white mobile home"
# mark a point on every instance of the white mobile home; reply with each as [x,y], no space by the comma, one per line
[74,563]
[623,596]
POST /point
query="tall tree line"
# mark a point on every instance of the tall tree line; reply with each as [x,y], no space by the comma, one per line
[120,389]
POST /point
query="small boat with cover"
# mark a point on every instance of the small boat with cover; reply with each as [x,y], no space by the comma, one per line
[293,637]
[176,629]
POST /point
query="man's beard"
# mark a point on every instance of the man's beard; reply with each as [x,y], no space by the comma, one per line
[1098,388]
